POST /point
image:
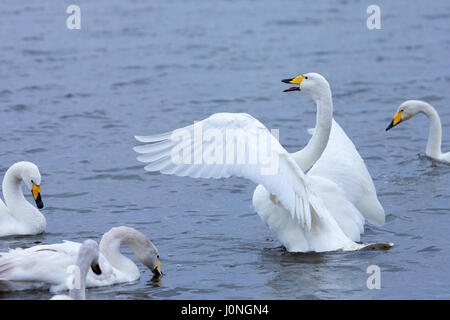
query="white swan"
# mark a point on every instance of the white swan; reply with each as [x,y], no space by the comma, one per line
[409,109]
[88,257]
[314,212]
[18,216]
[46,265]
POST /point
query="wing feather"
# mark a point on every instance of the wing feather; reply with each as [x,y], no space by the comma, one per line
[276,169]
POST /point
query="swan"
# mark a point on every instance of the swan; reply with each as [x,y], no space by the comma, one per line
[409,109]
[88,257]
[46,265]
[320,211]
[18,216]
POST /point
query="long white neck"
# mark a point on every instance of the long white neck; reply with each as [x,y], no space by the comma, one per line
[110,248]
[80,293]
[306,157]
[23,211]
[435,131]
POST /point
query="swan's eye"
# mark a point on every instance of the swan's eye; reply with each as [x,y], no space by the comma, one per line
[306,77]
[32,181]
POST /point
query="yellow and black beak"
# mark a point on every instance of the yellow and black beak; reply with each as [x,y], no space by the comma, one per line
[296,80]
[397,119]
[157,271]
[36,190]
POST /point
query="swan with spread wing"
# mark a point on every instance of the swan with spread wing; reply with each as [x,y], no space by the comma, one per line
[323,210]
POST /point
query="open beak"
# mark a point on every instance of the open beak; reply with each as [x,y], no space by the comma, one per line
[157,271]
[292,89]
[36,190]
[296,80]
[397,119]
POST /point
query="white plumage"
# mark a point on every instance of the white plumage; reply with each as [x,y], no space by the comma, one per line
[46,265]
[411,108]
[341,163]
[18,216]
[88,256]
[314,212]
[288,184]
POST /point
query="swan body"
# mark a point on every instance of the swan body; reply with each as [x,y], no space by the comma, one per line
[339,172]
[18,216]
[331,154]
[338,169]
[411,108]
[47,264]
[88,257]
[318,211]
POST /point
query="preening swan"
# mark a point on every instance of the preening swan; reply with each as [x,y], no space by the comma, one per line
[409,109]
[88,257]
[323,211]
[46,265]
[18,216]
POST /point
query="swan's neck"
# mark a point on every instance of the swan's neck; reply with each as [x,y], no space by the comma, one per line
[110,248]
[80,293]
[18,206]
[435,132]
[306,157]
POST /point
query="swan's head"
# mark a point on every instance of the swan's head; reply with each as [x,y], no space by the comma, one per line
[142,247]
[406,111]
[148,254]
[32,178]
[311,83]
[88,255]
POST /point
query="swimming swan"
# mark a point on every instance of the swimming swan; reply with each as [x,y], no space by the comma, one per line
[47,264]
[319,211]
[409,109]
[88,257]
[18,216]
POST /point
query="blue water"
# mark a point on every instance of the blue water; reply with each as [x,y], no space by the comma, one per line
[72,100]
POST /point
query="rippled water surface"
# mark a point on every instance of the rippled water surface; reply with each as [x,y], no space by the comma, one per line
[71,101]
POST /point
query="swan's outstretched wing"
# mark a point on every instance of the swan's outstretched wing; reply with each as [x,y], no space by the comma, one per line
[342,164]
[232,144]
